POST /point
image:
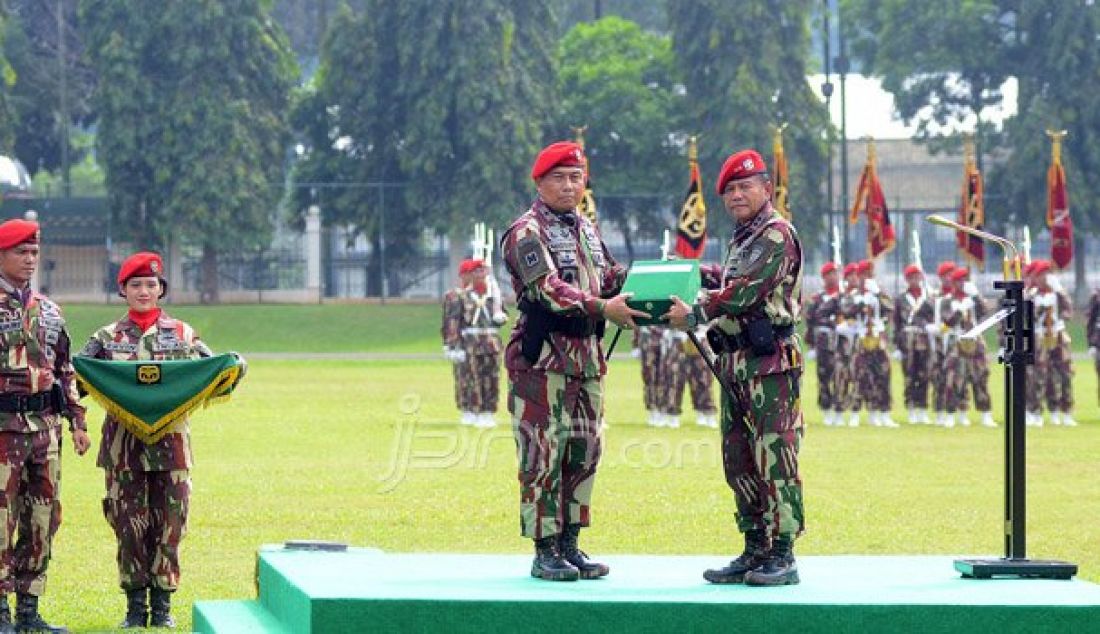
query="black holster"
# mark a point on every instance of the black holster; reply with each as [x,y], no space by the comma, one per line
[541,322]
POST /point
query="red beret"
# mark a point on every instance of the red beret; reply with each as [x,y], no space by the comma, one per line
[863,266]
[960,273]
[1038,267]
[827,268]
[560,154]
[469,266]
[143,264]
[740,165]
[945,267]
[850,268]
[17,231]
[913,269]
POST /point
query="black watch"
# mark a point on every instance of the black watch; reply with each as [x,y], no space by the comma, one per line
[692,319]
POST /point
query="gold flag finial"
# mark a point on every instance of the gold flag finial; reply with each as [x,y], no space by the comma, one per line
[578,134]
[968,148]
[777,135]
[1056,144]
[871,158]
[693,149]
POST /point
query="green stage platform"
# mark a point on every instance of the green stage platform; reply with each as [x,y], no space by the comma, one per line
[364,590]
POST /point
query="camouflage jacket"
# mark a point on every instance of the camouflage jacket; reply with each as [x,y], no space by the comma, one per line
[869,314]
[559,261]
[1053,309]
[762,278]
[914,316]
[961,313]
[468,321]
[123,340]
[822,311]
[1092,326]
[34,355]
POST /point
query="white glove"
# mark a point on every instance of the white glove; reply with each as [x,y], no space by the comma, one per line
[932,329]
[1092,351]
[871,287]
[970,288]
[811,354]
[896,354]
[635,353]
[460,356]
[500,318]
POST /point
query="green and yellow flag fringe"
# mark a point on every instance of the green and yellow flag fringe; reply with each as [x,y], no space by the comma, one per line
[150,397]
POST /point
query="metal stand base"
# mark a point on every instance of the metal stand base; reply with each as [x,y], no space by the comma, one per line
[1025,568]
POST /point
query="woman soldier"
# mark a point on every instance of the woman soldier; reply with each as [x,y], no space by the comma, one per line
[148,485]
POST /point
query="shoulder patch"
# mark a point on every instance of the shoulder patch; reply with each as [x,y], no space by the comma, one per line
[531,258]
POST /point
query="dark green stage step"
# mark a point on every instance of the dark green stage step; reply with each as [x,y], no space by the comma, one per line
[367,591]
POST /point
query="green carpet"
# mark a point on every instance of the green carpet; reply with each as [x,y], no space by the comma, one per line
[364,590]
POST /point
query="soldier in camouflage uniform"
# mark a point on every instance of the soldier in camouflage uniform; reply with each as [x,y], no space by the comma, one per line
[821,317]
[941,303]
[148,486]
[1052,381]
[473,339]
[567,284]
[452,344]
[869,310]
[967,368]
[913,342]
[847,397]
[760,361]
[1092,334]
[38,388]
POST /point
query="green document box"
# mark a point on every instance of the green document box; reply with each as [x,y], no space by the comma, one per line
[653,281]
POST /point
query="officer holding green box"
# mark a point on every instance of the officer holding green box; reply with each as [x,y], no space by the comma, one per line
[753,317]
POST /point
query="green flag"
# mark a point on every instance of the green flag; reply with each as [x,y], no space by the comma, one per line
[149,397]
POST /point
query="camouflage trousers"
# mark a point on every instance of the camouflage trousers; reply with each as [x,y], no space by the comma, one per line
[916,367]
[1050,380]
[826,380]
[460,371]
[871,381]
[966,371]
[652,361]
[482,382]
[939,363]
[687,371]
[30,469]
[844,392]
[761,435]
[148,512]
[557,421]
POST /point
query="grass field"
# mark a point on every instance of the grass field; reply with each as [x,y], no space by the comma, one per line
[366,452]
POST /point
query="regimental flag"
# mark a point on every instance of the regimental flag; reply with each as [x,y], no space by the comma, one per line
[587,206]
[1058,218]
[691,230]
[780,176]
[150,397]
[971,211]
[870,199]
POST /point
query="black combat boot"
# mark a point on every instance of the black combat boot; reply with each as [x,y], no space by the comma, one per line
[160,606]
[5,616]
[137,610]
[549,564]
[567,545]
[779,568]
[756,551]
[27,618]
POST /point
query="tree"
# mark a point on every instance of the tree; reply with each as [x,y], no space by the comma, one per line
[450,100]
[745,71]
[7,79]
[192,135]
[619,81]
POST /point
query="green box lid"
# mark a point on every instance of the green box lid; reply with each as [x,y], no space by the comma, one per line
[653,281]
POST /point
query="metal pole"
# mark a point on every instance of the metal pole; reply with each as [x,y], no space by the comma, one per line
[827,92]
[64,100]
[382,238]
[842,68]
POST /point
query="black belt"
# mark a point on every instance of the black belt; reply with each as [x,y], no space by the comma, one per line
[25,403]
[721,342]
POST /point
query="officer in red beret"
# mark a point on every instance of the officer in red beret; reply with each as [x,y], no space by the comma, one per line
[967,370]
[148,486]
[913,343]
[472,316]
[1050,379]
[39,388]
[567,285]
[759,352]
